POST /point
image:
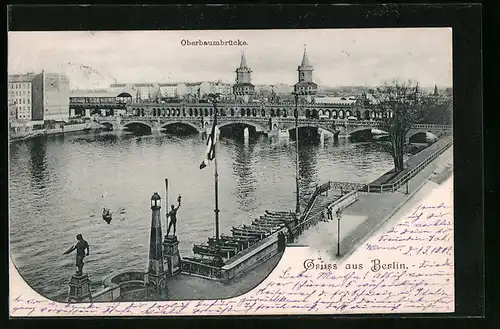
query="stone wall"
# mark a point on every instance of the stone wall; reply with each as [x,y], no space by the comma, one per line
[266,249]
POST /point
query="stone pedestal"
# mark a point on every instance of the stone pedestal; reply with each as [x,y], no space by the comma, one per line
[79,288]
[157,283]
[171,257]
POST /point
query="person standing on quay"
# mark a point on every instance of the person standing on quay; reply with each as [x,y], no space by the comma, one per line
[330,213]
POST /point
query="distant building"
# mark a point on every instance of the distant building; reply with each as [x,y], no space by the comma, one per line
[192,89]
[182,89]
[55,97]
[20,94]
[222,88]
[205,88]
[139,92]
[43,96]
[168,90]
[280,89]
[86,102]
[344,101]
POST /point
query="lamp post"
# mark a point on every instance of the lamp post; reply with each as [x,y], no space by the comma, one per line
[339,214]
[297,205]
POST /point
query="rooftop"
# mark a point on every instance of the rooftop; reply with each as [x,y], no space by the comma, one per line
[28,77]
[334,100]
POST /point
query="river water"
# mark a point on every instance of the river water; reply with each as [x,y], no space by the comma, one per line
[59,184]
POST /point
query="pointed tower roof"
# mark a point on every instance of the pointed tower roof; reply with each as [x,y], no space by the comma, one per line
[243,64]
[436,90]
[305,60]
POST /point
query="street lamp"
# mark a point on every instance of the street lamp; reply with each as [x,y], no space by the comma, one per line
[296,114]
[339,214]
[155,201]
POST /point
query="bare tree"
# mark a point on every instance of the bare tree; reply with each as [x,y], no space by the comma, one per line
[402,105]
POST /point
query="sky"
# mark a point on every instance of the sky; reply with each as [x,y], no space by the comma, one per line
[341,57]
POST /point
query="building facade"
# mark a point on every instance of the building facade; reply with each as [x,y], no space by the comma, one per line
[55,96]
[222,88]
[20,95]
[168,90]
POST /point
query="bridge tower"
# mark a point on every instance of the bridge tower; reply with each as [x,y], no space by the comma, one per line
[306,86]
[243,87]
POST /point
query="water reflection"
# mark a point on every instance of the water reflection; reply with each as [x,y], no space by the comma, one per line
[38,162]
[243,169]
[307,166]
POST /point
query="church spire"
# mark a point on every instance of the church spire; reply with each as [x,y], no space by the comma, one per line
[305,60]
[243,64]
[435,90]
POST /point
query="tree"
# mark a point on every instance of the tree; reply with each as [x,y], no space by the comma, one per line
[402,105]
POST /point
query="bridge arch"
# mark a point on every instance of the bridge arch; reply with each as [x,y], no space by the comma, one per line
[362,128]
[317,126]
[186,123]
[108,125]
[257,126]
[137,123]
[416,136]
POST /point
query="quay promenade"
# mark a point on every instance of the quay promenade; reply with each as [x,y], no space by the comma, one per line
[370,211]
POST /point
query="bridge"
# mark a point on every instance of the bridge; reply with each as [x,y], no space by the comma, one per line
[266,124]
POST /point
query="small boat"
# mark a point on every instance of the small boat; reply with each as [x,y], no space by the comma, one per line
[106,215]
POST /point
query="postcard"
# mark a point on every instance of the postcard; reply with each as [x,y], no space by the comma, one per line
[231,172]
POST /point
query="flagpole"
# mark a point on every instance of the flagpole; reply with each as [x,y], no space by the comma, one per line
[297,205]
[216,180]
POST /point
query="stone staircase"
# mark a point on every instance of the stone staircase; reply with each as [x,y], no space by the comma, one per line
[321,202]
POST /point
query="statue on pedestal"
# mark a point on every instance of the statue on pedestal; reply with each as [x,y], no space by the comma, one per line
[80,246]
[173,215]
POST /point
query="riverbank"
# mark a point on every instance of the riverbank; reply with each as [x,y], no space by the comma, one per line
[415,160]
[365,216]
[19,136]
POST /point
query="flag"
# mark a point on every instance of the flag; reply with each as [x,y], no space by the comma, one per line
[210,152]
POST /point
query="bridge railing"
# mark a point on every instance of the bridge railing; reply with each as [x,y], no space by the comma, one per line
[307,221]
